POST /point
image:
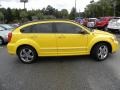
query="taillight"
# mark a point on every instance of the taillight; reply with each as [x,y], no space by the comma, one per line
[9,36]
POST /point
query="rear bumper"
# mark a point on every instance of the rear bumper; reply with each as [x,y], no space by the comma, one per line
[11,49]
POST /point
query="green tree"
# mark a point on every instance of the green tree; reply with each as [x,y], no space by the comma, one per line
[72,14]
[102,8]
[40,15]
[49,10]
[16,14]
[9,16]
[1,16]
[23,15]
[64,13]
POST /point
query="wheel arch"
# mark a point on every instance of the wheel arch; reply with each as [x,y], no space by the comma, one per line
[105,42]
[27,42]
[23,46]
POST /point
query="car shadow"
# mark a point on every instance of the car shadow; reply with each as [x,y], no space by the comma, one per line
[62,59]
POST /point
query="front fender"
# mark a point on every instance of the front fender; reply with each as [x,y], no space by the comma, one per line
[97,40]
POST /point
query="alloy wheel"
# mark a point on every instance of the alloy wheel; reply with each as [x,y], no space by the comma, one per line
[102,52]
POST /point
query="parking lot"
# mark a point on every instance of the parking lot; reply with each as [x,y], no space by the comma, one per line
[59,73]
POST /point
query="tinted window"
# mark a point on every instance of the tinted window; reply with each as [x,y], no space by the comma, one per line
[38,28]
[27,29]
[67,28]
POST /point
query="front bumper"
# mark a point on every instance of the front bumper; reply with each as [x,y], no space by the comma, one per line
[115,46]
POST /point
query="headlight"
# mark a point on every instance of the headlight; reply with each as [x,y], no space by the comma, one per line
[114,38]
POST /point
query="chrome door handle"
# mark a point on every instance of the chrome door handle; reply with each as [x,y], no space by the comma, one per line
[62,36]
[34,36]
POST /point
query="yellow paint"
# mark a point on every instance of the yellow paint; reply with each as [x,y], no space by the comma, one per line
[59,44]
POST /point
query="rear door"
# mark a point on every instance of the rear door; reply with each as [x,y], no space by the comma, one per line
[43,35]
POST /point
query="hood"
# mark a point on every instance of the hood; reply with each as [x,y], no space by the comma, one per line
[2,33]
[102,32]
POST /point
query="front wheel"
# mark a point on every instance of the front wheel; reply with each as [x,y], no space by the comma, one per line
[27,54]
[100,52]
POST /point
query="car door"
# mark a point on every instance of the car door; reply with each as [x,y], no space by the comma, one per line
[43,35]
[69,39]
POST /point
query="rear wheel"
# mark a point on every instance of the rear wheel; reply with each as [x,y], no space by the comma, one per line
[27,54]
[100,51]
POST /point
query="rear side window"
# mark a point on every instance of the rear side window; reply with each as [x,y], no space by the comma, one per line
[38,28]
[27,29]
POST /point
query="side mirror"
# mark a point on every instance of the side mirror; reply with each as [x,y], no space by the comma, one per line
[82,32]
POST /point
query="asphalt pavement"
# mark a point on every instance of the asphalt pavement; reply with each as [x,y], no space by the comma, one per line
[59,73]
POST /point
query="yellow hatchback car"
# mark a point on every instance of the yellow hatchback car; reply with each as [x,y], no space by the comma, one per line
[59,38]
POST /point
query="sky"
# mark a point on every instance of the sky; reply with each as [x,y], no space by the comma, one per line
[39,4]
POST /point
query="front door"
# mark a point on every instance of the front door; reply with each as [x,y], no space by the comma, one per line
[69,39]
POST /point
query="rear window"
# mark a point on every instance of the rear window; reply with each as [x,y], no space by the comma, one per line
[115,20]
[38,28]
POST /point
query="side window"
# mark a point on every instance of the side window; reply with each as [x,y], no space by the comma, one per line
[27,29]
[38,28]
[42,28]
[67,28]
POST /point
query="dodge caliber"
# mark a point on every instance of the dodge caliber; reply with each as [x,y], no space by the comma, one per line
[59,38]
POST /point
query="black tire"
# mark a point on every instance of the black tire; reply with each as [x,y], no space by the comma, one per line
[32,54]
[95,52]
[1,41]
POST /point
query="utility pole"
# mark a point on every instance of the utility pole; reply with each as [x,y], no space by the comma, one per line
[0,4]
[79,12]
[114,7]
[24,5]
[3,14]
[75,4]
[75,8]
[92,1]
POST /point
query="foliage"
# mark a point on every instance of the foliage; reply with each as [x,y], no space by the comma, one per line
[94,9]
[23,15]
[72,14]
[1,16]
[103,8]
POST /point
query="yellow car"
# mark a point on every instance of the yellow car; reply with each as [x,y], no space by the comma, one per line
[59,38]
